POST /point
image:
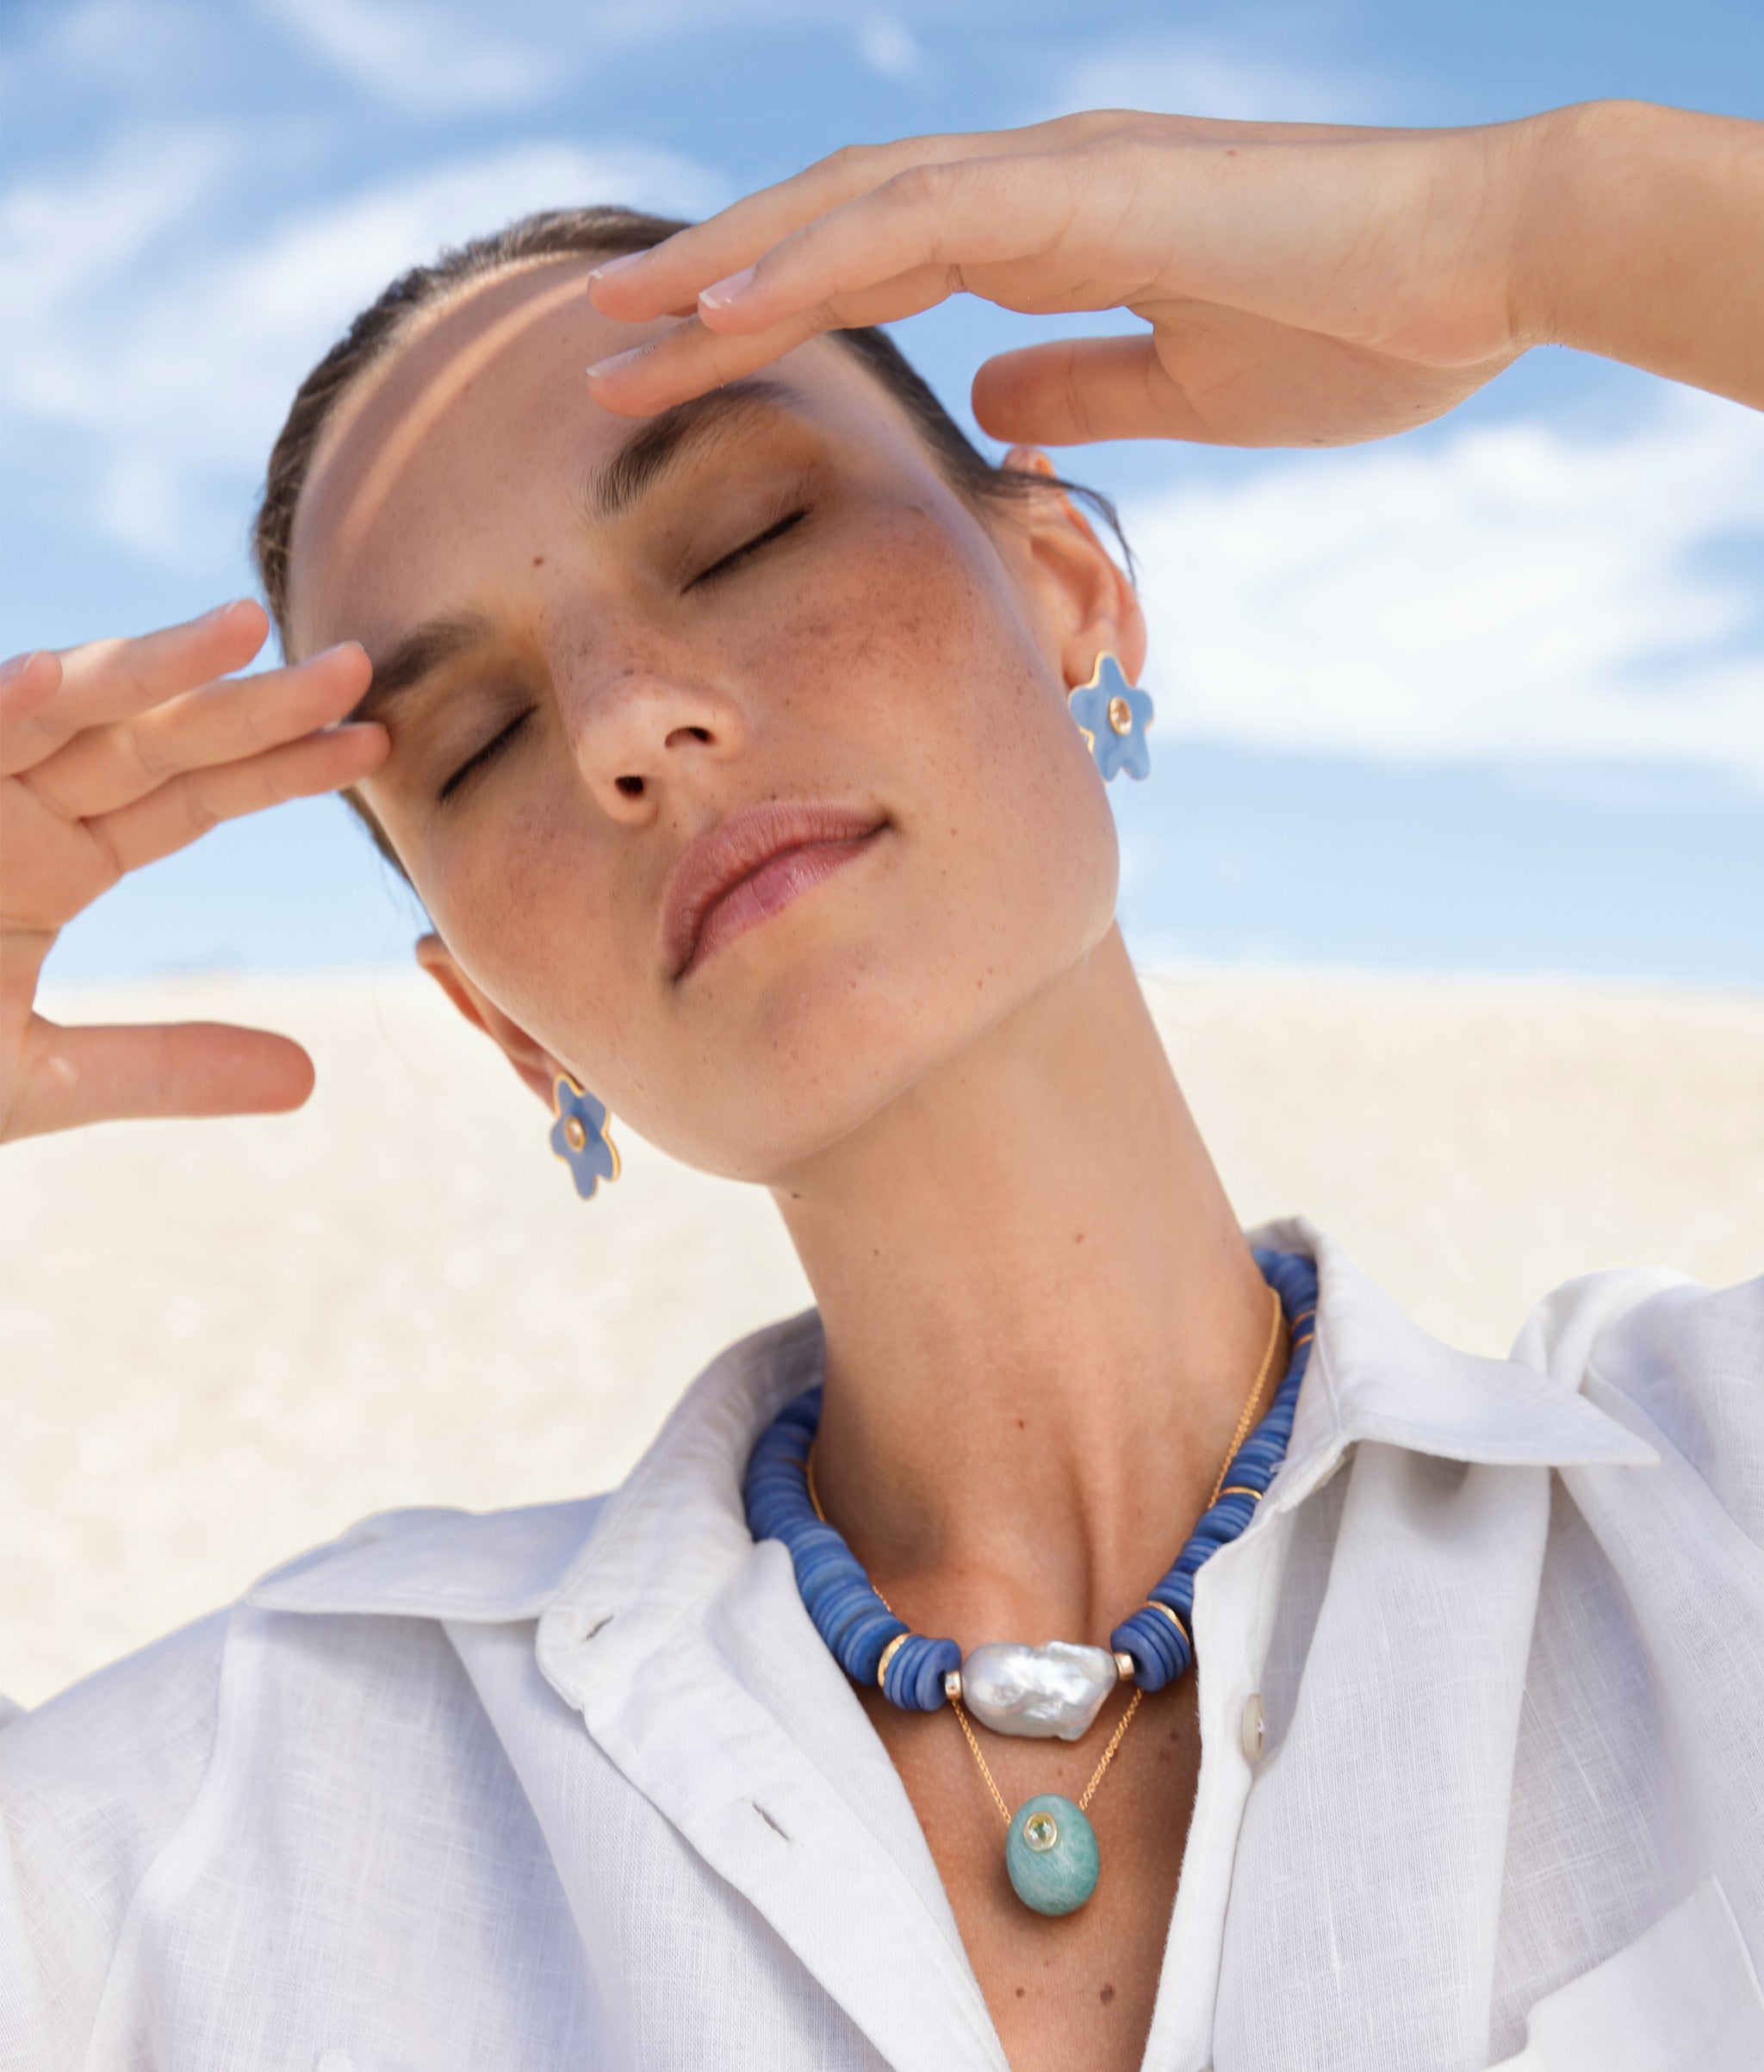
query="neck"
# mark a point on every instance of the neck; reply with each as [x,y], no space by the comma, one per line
[1042,1318]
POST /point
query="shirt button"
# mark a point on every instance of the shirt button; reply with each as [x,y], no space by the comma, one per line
[1254,1728]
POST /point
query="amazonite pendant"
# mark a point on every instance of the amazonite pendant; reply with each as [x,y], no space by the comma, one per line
[1051,1854]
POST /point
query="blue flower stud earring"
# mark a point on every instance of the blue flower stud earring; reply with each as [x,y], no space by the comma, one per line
[579,1136]
[1113,716]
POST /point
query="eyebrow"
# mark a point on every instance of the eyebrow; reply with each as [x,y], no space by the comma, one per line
[660,441]
[646,454]
[438,641]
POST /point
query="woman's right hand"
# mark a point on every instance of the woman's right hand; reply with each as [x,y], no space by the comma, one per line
[115,754]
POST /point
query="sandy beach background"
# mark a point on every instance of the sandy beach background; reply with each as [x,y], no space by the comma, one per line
[222,1342]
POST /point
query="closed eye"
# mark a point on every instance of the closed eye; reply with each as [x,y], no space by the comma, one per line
[736,556]
[479,758]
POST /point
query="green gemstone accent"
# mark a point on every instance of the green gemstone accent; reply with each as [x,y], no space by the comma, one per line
[1051,1854]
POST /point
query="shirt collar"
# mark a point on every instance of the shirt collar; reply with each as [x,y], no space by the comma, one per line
[1373,1374]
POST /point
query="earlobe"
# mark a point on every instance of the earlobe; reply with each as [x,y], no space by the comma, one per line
[536,1066]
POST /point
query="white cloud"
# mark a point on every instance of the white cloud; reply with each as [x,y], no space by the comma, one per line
[150,48]
[1193,76]
[59,238]
[180,376]
[889,47]
[413,57]
[1516,590]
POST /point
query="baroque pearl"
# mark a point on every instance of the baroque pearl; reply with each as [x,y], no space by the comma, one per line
[1037,1692]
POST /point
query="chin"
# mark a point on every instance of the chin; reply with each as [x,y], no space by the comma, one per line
[831,1041]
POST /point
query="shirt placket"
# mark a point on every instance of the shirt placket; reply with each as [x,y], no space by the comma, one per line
[1236,1594]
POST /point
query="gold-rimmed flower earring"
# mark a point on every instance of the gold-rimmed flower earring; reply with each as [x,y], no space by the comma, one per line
[579,1137]
[1112,716]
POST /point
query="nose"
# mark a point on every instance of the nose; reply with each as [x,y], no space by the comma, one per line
[643,735]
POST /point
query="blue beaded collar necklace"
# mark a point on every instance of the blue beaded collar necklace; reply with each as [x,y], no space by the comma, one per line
[1055,1690]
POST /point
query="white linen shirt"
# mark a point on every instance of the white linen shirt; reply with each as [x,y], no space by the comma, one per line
[578,1786]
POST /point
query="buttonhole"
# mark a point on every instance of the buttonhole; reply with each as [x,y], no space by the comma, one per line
[767,1819]
[598,1626]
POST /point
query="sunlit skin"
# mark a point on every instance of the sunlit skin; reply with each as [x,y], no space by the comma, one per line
[919,1028]
[937,1057]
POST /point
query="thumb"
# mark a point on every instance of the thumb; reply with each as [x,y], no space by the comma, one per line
[1072,391]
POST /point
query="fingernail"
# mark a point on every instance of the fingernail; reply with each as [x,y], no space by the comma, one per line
[721,293]
[619,360]
[219,611]
[618,265]
[16,665]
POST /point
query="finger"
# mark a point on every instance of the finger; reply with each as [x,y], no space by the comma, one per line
[184,810]
[958,215]
[107,766]
[109,680]
[639,286]
[689,359]
[28,682]
[685,361]
[183,1068]
[1072,391]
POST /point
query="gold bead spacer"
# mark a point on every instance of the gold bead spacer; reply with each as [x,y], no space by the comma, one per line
[951,1686]
[888,1654]
[1124,1665]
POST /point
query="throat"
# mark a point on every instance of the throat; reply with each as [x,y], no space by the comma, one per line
[1042,1321]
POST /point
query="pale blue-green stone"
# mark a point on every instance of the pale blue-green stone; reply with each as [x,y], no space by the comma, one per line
[1059,1879]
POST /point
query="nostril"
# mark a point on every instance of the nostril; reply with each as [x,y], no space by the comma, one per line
[631,787]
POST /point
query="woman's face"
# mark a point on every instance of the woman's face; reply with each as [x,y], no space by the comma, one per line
[730,753]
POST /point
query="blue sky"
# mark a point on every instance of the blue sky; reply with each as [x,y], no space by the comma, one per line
[1488,697]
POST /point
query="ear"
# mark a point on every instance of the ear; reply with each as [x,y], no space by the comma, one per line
[535,1064]
[1088,602]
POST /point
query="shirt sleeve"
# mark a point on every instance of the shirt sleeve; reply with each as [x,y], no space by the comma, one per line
[93,1784]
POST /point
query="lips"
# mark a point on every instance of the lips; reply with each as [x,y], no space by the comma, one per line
[751,866]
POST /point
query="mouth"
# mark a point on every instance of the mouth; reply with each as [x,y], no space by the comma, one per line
[752,866]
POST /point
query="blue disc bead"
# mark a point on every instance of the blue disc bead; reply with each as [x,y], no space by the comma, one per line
[849,1615]
[1051,1855]
[1161,1650]
[858,1627]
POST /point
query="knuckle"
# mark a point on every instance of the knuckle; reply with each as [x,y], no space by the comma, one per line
[849,161]
[925,186]
[201,813]
[147,754]
[257,728]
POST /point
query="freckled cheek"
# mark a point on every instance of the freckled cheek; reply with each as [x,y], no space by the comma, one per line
[901,635]
[537,920]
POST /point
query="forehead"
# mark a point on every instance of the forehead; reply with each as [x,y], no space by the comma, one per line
[465,448]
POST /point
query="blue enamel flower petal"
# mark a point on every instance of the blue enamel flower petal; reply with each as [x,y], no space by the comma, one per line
[579,1136]
[1114,717]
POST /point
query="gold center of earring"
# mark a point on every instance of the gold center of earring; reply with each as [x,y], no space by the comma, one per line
[1121,715]
[573,1134]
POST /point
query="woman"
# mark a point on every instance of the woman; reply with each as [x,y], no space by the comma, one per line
[720,706]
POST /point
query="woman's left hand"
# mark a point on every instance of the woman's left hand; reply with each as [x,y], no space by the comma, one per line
[1305,286]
